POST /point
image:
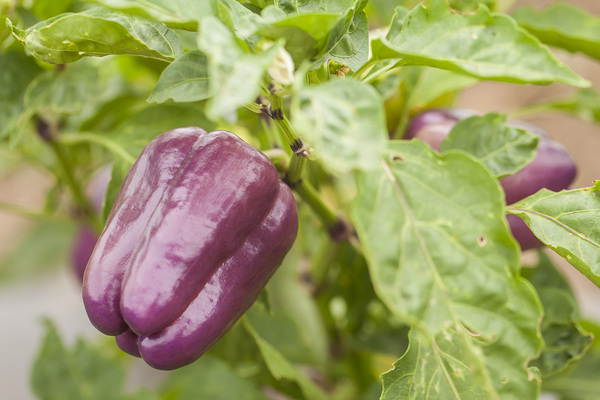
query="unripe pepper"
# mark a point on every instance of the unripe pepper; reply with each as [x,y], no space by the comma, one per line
[200,224]
[552,167]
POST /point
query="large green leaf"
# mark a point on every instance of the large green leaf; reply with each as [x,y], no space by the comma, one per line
[442,259]
[502,148]
[83,373]
[343,121]
[563,25]
[567,222]
[184,80]
[183,14]
[98,32]
[481,44]
[565,341]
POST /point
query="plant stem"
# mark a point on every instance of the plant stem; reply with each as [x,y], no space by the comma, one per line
[47,134]
[335,224]
[24,212]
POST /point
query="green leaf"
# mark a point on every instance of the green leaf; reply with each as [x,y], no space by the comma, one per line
[308,36]
[98,32]
[481,44]
[239,19]
[208,378]
[343,121]
[185,80]
[565,340]
[64,91]
[567,223]
[183,14]
[580,381]
[563,25]
[503,149]
[83,373]
[18,71]
[44,248]
[315,6]
[441,257]
[236,76]
[281,368]
[353,48]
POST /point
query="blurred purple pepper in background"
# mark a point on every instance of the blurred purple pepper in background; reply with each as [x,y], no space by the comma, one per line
[552,168]
[199,226]
[86,236]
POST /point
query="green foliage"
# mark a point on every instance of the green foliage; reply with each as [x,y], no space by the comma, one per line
[343,121]
[84,372]
[98,32]
[565,340]
[503,149]
[566,222]
[484,45]
[563,25]
[184,80]
[453,246]
[426,281]
[579,381]
[42,249]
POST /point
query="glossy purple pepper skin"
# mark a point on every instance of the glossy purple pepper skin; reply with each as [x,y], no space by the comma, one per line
[552,168]
[196,213]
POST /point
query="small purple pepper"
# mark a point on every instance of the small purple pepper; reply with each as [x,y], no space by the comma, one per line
[200,224]
[552,168]
[86,237]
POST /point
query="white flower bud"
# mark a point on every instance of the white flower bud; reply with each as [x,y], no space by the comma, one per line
[282,68]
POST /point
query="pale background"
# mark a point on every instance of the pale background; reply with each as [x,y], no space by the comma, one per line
[22,305]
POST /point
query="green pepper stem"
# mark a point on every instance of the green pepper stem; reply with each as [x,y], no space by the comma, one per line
[293,175]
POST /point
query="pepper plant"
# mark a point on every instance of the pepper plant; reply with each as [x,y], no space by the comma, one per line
[404,281]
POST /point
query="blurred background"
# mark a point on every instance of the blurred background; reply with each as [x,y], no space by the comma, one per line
[24,302]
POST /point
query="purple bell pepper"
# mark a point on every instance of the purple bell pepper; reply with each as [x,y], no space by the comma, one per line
[552,167]
[200,224]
